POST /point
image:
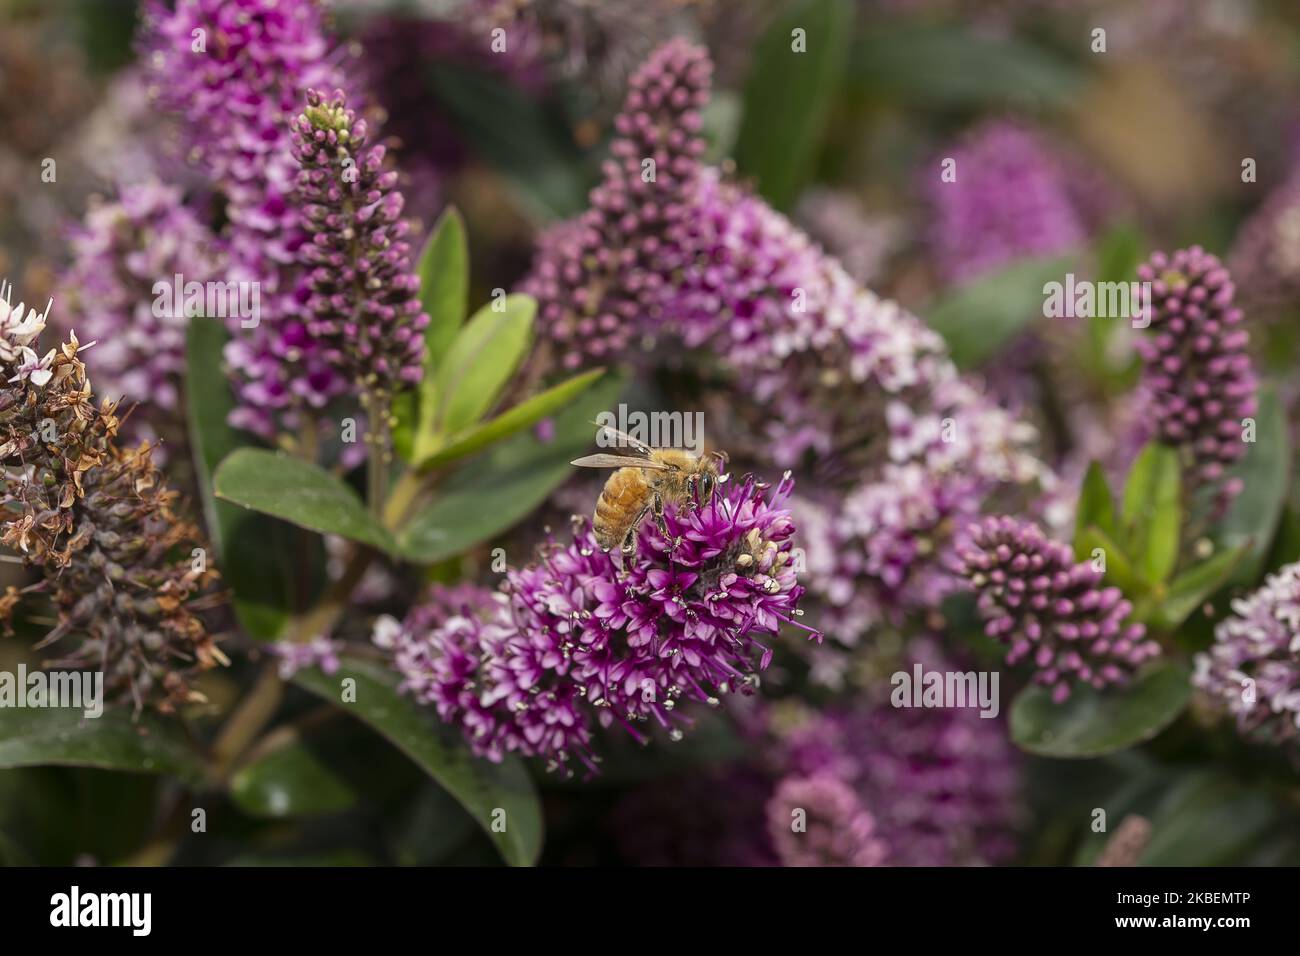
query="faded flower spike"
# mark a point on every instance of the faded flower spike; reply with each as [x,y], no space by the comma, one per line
[584,636]
[1053,612]
[363,301]
[818,821]
[1253,667]
[125,573]
[1195,364]
[941,786]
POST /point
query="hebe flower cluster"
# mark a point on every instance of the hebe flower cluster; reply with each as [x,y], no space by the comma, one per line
[237,72]
[1054,612]
[120,251]
[599,279]
[934,786]
[577,640]
[363,303]
[1265,259]
[1008,197]
[818,821]
[1196,367]
[124,571]
[1253,667]
[811,365]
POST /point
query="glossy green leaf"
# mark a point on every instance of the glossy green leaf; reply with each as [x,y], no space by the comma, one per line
[113,741]
[1096,507]
[1266,472]
[291,776]
[1118,254]
[526,413]
[788,97]
[299,492]
[953,66]
[1153,512]
[1092,723]
[1195,586]
[444,293]
[254,551]
[492,492]
[977,318]
[1210,819]
[444,285]
[479,364]
[483,788]
[1118,568]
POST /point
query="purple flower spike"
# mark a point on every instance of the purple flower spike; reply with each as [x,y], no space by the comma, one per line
[236,98]
[1011,198]
[942,784]
[1053,613]
[598,277]
[1253,667]
[585,636]
[1195,365]
[818,821]
[363,303]
[120,251]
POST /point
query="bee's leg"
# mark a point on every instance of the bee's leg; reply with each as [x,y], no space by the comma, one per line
[629,540]
[663,525]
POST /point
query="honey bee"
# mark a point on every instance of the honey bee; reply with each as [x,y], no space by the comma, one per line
[647,479]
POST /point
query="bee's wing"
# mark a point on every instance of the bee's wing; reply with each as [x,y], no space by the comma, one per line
[617,461]
[622,440]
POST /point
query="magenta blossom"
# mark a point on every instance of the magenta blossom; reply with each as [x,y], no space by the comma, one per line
[1054,612]
[585,637]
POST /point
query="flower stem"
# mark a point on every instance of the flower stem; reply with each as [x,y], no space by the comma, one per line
[253,713]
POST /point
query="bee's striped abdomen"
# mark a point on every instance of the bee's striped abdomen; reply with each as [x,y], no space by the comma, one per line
[622,501]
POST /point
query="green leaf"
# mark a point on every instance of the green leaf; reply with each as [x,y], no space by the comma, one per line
[1209,819]
[982,315]
[406,413]
[489,494]
[480,786]
[1119,569]
[1266,470]
[1153,512]
[1092,723]
[291,776]
[478,365]
[788,97]
[444,285]
[254,551]
[528,412]
[1195,586]
[113,741]
[444,293]
[1096,507]
[953,66]
[1118,254]
[299,492]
